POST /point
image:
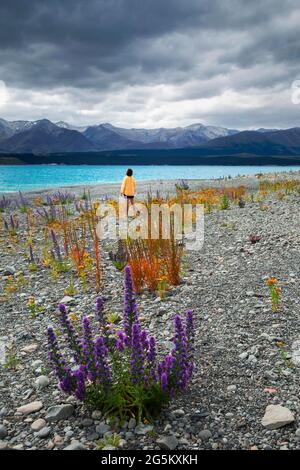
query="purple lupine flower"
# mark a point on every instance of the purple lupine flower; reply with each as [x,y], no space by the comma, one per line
[100,311]
[103,374]
[88,349]
[4,203]
[23,202]
[120,342]
[62,372]
[5,224]
[80,383]
[190,327]
[144,340]
[164,381]
[56,246]
[66,382]
[167,367]
[54,354]
[130,307]
[136,357]
[71,334]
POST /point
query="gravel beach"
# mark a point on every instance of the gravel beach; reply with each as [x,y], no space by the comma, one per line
[247,356]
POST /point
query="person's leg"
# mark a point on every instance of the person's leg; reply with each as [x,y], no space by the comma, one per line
[136,212]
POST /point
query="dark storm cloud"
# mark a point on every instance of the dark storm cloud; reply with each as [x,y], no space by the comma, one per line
[94,48]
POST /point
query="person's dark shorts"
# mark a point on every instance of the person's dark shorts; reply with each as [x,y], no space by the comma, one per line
[129,197]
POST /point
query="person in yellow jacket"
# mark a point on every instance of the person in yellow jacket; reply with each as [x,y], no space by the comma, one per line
[128,189]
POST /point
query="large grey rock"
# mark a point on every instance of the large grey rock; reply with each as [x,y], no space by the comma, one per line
[59,412]
[167,442]
[277,416]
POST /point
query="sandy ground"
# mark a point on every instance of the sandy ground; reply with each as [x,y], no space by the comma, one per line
[166,187]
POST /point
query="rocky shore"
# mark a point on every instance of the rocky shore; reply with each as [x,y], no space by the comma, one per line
[245,390]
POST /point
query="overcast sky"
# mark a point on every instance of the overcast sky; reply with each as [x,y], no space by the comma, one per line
[151,63]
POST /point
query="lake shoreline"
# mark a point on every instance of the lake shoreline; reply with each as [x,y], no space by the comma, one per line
[164,186]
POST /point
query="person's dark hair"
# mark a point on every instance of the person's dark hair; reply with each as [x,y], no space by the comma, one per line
[129,172]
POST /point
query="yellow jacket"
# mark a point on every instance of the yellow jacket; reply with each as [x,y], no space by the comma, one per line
[128,186]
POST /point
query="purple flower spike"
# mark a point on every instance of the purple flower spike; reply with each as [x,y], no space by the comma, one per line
[56,359]
[80,383]
[164,381]
[100,312]
[71,334]
[136,359]
[103,373]
[88,349]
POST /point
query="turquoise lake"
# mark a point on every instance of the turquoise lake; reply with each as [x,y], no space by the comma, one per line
[35,177]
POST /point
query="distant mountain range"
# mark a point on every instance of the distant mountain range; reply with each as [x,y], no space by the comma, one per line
[44,137]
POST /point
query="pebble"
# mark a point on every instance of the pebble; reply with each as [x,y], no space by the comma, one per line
[178,412]
[205,434]
[42,381]
[67,300]
[30,407]
[277,416]
[167,442]
[3,431]
[102,428]
[243,355]
[96,414]
[38,424]
[44,432]
[142,429]
[75,445]
[9,271]
[131,423]
[86,422]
